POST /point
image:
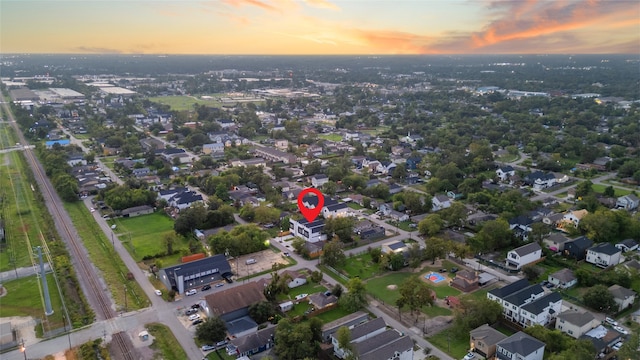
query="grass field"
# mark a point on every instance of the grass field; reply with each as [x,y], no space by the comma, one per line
[361,266]
[144,235]
[105,259]
[181,103]
[165,343]
[378,286]
[599,188]
[308,288]
[331,137]
[453,344]
[24,299]
[332,315]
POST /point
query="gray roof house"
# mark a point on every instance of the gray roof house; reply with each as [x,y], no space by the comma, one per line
[520,346]
[483,340]
[563,278]
[622,296]
[575,323]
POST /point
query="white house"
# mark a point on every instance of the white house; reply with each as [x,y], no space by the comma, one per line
[627,245]
[526,254]
[440,202]
[505,172]
[319,180]
[213,148]
[573,217]
[628,202]
[622,296]
[603,255]
[541,311]
[385,167]
[296,279]
[575,323]
[309,231]
[520,346]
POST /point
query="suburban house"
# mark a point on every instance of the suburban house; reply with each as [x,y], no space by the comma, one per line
[394,247]
[386,167]
[349,321]
[184,200]
[330,207]
[465,281]
[296,278]
[520,346]
[575,323]
[254,343]
[137,210]
[483,340]
[232,306]
[440,202]
[195,273]
[628,202]
[398,216]
[555,241]
[274,155]
[526,254]
[577,248]
[540,180]
[319,180]
[602,338]
[322,300]
[213,148]
[309,231]
[563,278]
[521,226]
[603,255]
[572,219]
[622,296]
[505,172]
[526,305]
[373,341]
[627,245]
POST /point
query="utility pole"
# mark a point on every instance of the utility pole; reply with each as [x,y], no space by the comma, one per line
[23,349]
[47,299]
[125,298]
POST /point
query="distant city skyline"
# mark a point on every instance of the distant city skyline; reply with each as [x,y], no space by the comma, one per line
[320,27]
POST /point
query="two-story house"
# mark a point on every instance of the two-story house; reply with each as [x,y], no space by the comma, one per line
[563,278]
[505,172]
[373,341]
[541,311]
[622,296]
[603,255]
[440,202]
[628,202]
[526,254]
[520,346]
[512,303]
[319,180]
[627,245]
[575,323]
[577,248]
[483,340]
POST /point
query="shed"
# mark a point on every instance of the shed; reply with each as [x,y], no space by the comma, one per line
[286,306]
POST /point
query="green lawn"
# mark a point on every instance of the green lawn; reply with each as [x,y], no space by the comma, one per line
[308,288]
[378,286]
[599,188]
[333,314]
[455,345]
[331,137]
[180,103]
[360,266]
[144,235]
[354,206]
[105,259]
[404,225]
[24,299]
[165,342]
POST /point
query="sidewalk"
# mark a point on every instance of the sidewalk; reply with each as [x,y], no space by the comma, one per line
[22,272]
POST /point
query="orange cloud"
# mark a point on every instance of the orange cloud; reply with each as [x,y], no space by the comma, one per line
[393,42]
[256,3]
[322,4]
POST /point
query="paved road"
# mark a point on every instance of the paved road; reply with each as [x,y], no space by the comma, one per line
[22,272]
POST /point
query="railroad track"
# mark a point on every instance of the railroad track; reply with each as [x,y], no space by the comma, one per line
[102,305]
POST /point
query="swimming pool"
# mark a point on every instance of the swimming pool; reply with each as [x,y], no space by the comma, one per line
[434,277]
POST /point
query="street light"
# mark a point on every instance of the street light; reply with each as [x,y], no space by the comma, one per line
[23,350]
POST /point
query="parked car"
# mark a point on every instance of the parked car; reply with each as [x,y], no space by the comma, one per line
[621,330]
[610,321]
[158,292]
[194,317]
[301,296]
[617,346]
[191,292]
[228,279]
[453,271]
[197,322]
[206,287]
[190,311]
[195,306]
[469,356]
[221,344]
[219,285]
[208,347]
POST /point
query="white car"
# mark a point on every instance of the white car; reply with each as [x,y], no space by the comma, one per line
[617,346]
[301,296]
[191,292]
[158,292]
[93,210]
[621,330]
[194,317]
[469,356]
[610,321]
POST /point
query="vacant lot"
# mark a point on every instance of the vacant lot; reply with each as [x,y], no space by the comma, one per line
[25,299]
[144,235]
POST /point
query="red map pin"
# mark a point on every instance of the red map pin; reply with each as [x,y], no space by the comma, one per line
[310,214]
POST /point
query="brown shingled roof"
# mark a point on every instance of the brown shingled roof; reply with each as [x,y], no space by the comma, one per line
[235,298]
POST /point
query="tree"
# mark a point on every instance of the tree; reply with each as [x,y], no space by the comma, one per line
[294,342]
[332,253]
[330,188]
[599,298]
[435,248]
[584,188]
[337,290]
[475,312]
[495,234]
[609,191]
[356,297]
[454,215]
[169,240]
[430,225]
[415,255]
[211,330]
[190,219]
[266,215]
[399,173]
[538,231]
[415,294]
[629,349]
[340,226]
[343,335]
[262,311]
[600,226]
[394,261]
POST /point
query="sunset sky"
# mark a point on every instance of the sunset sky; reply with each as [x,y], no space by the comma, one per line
[320,26]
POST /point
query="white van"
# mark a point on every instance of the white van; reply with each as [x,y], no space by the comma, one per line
[250,261]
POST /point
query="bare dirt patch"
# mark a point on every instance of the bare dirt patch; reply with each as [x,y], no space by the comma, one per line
[264,261]
[392,287]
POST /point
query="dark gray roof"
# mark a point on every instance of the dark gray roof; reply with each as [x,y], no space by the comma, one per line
[345,320]
[239,325]
[563,275]
[527,249]
[605,248]
[255,340]
[521,343]
[367,328]
[216,264]
[576,318]
[509,289]
[520,297]
[382,350]
[581,242]
[620,292]
[538,306]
